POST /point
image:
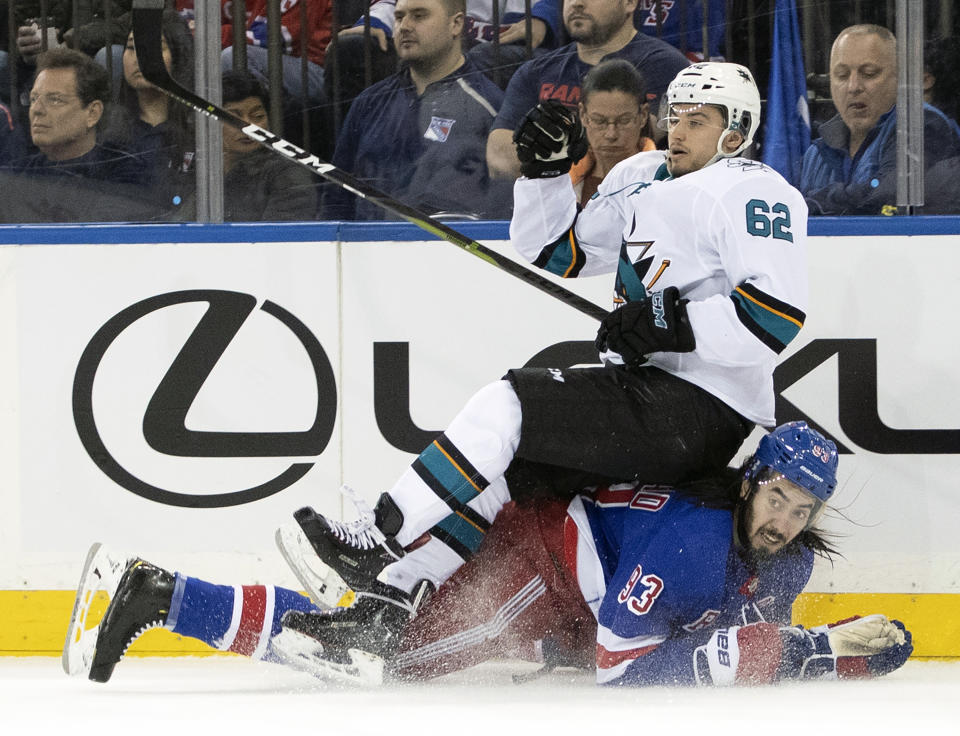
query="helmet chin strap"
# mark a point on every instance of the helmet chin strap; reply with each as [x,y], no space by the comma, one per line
[720,152]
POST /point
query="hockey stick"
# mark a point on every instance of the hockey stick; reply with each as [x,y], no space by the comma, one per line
[147,16]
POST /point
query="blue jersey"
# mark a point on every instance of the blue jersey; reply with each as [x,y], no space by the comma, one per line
[556,76]
[661,573]
[684,33]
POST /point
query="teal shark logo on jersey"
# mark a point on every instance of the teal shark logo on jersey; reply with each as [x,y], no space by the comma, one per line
[629,283]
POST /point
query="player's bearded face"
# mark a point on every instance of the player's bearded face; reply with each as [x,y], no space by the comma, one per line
[777,511]
[692,135]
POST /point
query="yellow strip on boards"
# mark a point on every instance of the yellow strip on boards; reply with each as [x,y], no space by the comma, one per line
[34,623]
[932,618]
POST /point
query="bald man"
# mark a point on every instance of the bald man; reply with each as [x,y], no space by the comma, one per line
[852,167]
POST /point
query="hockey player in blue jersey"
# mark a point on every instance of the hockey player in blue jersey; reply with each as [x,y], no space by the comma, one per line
[649,585]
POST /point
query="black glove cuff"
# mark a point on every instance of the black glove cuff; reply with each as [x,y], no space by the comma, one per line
[545,169]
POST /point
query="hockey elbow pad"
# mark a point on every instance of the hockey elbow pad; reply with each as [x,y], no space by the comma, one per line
[856,648]
[652,325]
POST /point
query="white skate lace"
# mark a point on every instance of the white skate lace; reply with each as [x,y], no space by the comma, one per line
[361,533]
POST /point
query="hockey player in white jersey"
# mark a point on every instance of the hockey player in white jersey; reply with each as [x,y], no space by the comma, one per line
[709,252]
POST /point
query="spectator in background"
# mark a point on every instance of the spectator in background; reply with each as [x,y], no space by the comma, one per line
[419,134]
[73,176]
[318,36]
[82,25]
[155,129]
[941,87]
[27,31]
[614,111]
[941,58]
[686,34]
[852,167]
[600,29]
[67,103]
[258,185]
[478,35]
[13,140]
[89,30]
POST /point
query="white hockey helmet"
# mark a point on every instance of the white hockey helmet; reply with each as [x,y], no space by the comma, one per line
[726,85]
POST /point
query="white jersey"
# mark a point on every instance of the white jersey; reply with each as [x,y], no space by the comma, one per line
[731,237]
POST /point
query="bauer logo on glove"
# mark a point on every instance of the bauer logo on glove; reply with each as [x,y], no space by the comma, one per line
[549,140]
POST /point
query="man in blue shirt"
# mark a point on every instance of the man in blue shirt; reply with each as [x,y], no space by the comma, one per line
[72,175]
[852,168]
[419,134]
[67,102]
[600,29]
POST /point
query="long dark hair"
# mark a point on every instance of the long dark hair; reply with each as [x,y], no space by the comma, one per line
[941,57]
[722,491]
[179,40]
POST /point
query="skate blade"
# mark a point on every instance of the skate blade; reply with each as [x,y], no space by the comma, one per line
[101,575]
[301,652]
[324,586]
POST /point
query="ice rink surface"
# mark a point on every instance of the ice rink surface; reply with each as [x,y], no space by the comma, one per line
[173,696]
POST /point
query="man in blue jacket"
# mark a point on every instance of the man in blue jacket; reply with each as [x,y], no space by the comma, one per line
[852,168]
[419,135]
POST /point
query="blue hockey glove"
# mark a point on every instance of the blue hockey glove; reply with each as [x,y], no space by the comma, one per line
[549,140]
[642,327]
[870,646]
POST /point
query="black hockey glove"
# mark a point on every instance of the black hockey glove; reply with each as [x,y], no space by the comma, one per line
[550,139]
[639,328]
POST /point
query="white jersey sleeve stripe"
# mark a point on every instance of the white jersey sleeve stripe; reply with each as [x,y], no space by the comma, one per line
[614,654]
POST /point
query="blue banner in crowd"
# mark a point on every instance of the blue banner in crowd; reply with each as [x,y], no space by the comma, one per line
[788,117]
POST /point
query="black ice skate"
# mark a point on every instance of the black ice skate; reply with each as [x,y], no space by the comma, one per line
[373,624]
[141,602]
[358,550]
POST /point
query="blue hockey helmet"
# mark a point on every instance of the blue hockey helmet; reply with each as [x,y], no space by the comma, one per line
[801,455]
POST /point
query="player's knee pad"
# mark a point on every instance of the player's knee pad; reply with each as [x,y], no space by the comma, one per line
[488,426]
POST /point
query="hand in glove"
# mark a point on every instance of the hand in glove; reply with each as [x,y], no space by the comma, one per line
[868,646]
[762,652]
[549,140]
[642,327]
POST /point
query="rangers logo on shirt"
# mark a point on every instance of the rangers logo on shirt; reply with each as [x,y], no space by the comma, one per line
[439,129]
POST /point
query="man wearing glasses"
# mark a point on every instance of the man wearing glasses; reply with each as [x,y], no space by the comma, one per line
[67,103]
[599,30]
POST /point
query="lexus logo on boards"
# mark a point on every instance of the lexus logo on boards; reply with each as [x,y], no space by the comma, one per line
[164,427]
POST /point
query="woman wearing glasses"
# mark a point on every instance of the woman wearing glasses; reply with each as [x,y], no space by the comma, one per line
[614,111]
